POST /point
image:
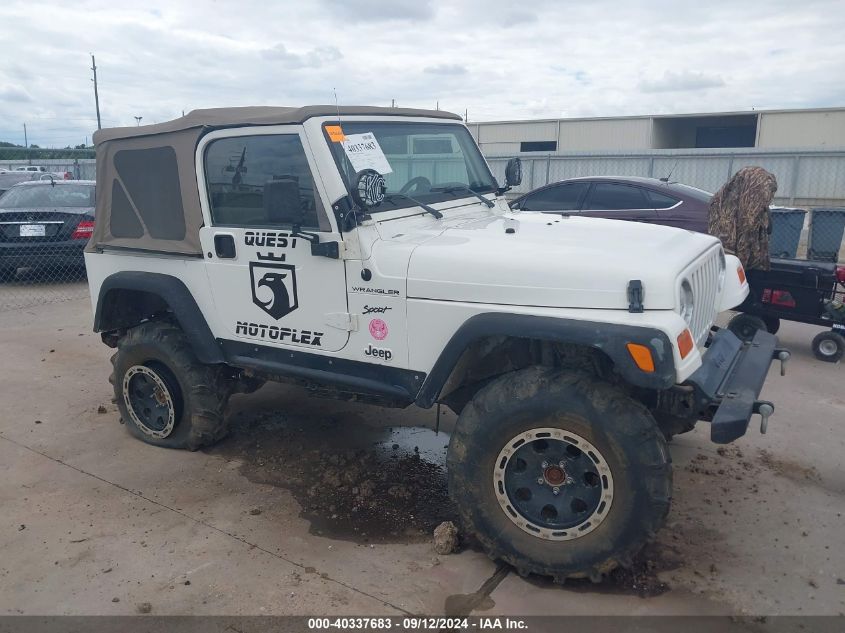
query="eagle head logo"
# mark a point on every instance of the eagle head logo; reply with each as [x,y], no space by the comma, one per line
[271,291]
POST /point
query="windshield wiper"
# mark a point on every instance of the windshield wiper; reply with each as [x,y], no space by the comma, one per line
[422,205]
[468,190]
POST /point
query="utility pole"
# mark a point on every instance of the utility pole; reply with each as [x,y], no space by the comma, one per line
[26,145]
[393,103]
[96,94]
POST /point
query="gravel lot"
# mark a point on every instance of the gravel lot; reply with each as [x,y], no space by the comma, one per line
[95,522]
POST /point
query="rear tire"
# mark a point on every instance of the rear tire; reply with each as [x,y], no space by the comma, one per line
[745,326]
[614,476]
[165,395]
[829,347]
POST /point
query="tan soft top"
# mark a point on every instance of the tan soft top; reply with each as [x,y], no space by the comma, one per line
[258,115]
[147,192]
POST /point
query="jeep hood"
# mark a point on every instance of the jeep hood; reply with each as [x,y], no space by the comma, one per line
[532,259]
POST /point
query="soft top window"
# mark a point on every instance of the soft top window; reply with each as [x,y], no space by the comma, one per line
[149,182]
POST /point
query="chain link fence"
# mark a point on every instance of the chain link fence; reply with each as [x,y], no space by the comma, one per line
[41,254]
[811,186]
[44,227]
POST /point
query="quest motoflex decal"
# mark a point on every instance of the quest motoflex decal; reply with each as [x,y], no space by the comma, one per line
[280,334]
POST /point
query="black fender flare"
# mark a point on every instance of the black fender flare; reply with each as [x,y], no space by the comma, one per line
[609,338]
[178,298]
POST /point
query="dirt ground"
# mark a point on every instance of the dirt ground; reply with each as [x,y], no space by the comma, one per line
[320,507]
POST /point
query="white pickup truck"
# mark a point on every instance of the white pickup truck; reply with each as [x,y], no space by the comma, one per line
[369,254]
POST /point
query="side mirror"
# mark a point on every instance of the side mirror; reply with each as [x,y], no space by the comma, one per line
[368,189]
[282,202]
[513,172]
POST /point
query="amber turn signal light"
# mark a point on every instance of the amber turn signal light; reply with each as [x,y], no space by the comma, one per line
[740,272]
[685,343]
[642,357]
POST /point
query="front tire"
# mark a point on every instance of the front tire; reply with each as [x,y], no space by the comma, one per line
[165,395]
[745,326]
[829,347]
[600,449]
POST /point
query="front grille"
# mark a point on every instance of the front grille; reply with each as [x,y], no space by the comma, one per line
[703,276]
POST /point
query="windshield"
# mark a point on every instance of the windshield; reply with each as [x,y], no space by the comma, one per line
[431,162]
[47,195]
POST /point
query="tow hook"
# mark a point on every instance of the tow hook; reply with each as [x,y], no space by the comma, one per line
[765,409]
[782,355]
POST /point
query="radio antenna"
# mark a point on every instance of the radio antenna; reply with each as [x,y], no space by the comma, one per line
[669,175]
[337,108]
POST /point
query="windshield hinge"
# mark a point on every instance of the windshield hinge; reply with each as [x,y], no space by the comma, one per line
[342,321]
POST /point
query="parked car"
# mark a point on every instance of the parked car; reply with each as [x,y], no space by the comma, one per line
[11,178]
[45,223]
[623,198]
[32,168]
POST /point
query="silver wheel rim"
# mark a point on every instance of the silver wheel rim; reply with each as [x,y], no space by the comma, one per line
[591,522]
[163,396]
[828,347]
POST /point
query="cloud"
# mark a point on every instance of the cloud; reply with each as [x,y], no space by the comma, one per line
[446,69]
[312,59]
[518,18]
[681,82]
[160,57]
[14,94]
[379,10]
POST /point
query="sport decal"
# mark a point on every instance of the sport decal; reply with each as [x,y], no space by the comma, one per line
[274,288]
[376,309]
[378,329]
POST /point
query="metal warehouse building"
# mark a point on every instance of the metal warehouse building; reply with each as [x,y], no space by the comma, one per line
[805,149]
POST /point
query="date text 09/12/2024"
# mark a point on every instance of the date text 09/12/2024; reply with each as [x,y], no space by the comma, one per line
[418,623]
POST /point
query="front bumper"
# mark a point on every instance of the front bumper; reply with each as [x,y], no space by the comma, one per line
[729,381]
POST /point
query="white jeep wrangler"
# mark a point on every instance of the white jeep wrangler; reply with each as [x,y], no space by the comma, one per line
[368,254]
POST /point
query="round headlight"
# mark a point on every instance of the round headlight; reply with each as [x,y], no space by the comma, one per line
[687,301]
[722,267]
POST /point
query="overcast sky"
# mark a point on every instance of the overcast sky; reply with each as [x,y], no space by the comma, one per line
[495,59]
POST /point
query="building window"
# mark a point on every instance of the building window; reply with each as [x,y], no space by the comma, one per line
[538,146]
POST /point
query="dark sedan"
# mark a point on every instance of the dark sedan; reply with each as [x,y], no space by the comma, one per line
[623,198]
[45,223]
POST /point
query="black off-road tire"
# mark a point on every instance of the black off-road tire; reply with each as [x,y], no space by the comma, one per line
[745,326]
[620,428]
[772,324]
[200,393]
[671,425]
[829,346]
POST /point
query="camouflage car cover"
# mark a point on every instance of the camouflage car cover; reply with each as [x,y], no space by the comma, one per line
[739,216]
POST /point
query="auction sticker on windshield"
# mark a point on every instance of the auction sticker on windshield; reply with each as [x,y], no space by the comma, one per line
[364,152]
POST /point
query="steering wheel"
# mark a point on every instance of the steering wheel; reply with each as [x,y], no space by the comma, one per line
[415,183]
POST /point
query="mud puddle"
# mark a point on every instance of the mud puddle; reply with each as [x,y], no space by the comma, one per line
[353,481]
